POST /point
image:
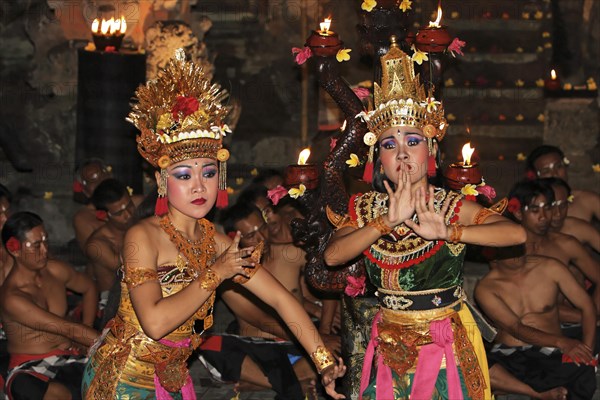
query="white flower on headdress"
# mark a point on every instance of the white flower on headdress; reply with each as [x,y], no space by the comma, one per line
[363,115]
[295,193]
[566,161]
[469,190]
[432,104]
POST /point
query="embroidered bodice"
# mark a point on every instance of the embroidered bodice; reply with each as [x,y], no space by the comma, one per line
[403,260]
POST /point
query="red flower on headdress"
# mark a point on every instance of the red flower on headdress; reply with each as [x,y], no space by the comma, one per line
[356,286]
[13,244]
[186,105]
[530,175]
[302,54]
[77,187]
[232,234]
[101,215]
[487,191]
[361,93]
[277,194]
[514,205]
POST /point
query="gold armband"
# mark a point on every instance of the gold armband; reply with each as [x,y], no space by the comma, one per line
[482,215]
[457,231]
[381,226]
[209,280]
[136,276]
[322,358]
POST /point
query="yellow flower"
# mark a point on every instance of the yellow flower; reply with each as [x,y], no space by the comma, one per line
[545,34]
[591,84]
[451,117]
[519,83]
[295,193]
[548,45]
[48,195]
[519,117]
[567,86]
[405,5]
[541,117]
[366,84]
[239,181]
[525,15]
[449,82]
[368,5]
[254,172]
[164,121]
[130,190]
[570,198]
[419,56]
[432,104]
[521,157]
[539,49]
[109,168]
[353,161]
[539,83]
[596,167]
[538,15]
[90,46]
[519,50]
[469,190]
[343,55]
[230,190]
[454,14]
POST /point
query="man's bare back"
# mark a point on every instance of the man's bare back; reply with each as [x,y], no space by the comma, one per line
[103,251]
[585,206]
[85,223]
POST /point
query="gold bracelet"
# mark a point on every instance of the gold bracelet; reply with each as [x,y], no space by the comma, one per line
[322,358]
[381,226]
[209,280]
[457,231]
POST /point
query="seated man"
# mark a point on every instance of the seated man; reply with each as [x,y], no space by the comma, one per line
[103,248]
[549,161]
[520,295]
[259,356]
[6,261]
[89,175]
[47,351]
[578,228]
[532,207]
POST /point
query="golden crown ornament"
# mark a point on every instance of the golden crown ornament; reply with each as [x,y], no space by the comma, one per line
[180,116]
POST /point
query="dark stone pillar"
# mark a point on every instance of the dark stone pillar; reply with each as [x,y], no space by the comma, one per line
[106,83]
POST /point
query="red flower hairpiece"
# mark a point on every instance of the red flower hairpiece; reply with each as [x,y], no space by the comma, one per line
[77,187]
[101,215]
[514,205]
[277,194]
[186,105]
[13,244]
[530,175]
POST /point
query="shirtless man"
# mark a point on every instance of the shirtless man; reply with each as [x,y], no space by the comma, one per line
[549,161]
[520,295]
[6,261]
[578,228]
[103,248]
[91,173]
[535,214]
[47,360]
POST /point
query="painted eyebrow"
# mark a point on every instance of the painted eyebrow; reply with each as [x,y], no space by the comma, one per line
[209,164]
[182,166]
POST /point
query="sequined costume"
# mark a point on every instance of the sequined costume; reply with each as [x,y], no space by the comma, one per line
[128,364]
[423,324]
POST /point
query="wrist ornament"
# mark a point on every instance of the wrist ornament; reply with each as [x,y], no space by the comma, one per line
[457,231]
[209,280]
[380,225]
[322,358]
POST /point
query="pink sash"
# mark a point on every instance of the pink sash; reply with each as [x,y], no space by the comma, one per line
[187,391]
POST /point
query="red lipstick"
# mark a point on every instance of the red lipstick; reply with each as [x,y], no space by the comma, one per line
[199,202]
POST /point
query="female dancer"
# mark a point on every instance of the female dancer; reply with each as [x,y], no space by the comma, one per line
[413,236]
[173,262]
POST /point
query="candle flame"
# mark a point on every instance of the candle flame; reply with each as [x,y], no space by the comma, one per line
[436,23]
[553,75]
[467,152]
[110,27]
[303,157]
[325,25]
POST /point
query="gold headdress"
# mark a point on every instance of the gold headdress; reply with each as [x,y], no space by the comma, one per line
[401,100]
[180,116]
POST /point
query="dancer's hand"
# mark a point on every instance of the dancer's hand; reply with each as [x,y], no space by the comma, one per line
[432,225]
[233,260]
[330,375]
[401,205]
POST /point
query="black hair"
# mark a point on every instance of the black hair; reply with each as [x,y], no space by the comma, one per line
[542,151]
[526,191]
[556,182]
[109,191]
[18,224]
[4,192]
[266,174]
[230,216]
[252,193]
[87,162]
[294,203]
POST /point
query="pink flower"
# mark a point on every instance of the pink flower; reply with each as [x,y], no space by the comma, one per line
[514,205]
[332,143]
[487,191]
[456,46]
[361,93]
[302,54]
[356,286]
[277,194]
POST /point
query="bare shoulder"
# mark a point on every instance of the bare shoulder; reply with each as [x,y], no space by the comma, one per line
[137,199]
[585,196]
[59,269]
[84,213]
[290,254]
[563,240]
[544,266]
